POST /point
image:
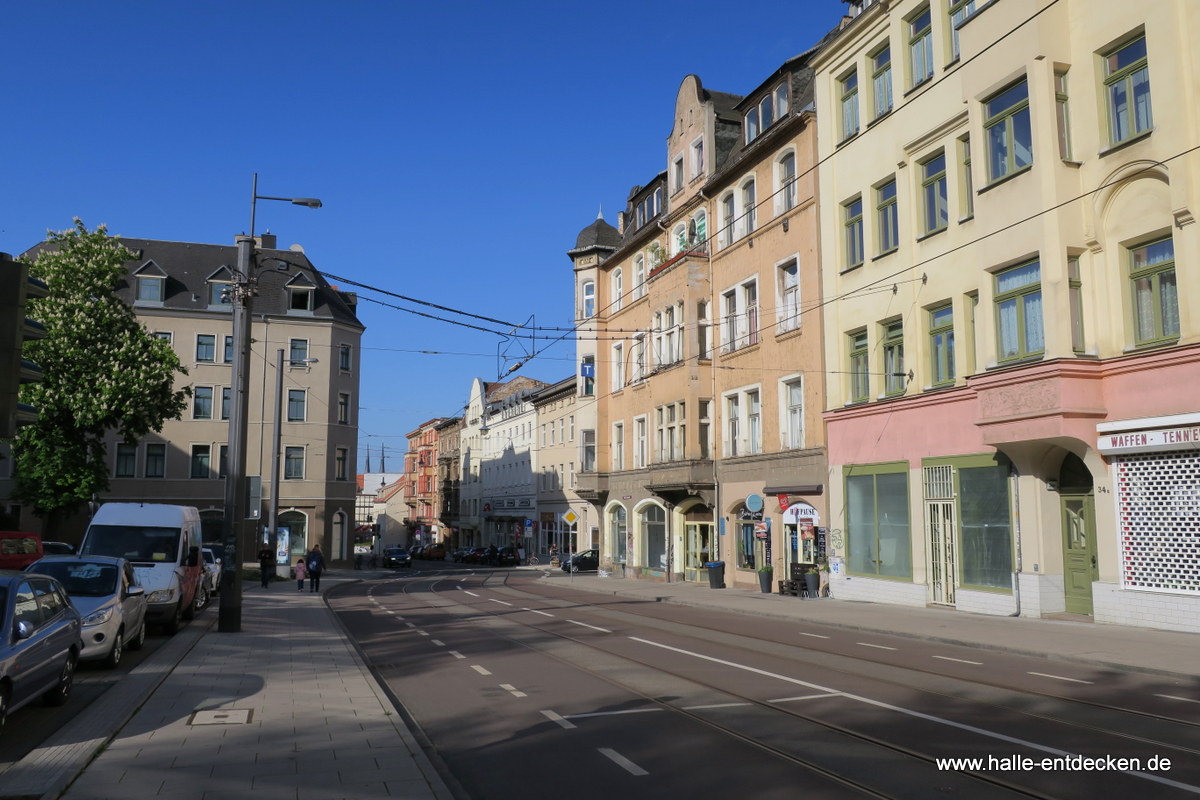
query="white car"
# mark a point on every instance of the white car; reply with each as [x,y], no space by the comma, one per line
[212,570]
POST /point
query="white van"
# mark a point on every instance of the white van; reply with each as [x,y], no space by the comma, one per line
[162,543]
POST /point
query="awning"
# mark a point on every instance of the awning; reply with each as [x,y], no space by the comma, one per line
[806,489]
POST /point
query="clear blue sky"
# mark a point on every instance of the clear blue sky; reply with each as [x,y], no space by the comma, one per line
[458,147]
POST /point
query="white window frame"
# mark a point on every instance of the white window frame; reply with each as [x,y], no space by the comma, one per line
[639,275]
[617,454]
[785,184]
[788,286]
[618,366]
[640,442]
[791,416]
[587,299]
[618,288]
[698,157]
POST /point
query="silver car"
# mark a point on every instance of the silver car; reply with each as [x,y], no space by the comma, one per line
[110,601]
[212,570]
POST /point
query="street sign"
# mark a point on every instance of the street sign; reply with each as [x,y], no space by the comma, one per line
[570,517]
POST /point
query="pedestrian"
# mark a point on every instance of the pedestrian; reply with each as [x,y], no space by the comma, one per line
[266,563]
[300,571]
[316,565]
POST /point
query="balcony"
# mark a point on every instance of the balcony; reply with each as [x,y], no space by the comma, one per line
[592,486]
[699,249]
[677,480]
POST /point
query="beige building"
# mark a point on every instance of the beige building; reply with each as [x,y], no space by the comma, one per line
[179,292]
[708,373]
[1008,192]
[565,447]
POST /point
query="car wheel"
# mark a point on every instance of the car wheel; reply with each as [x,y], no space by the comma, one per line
[3,705]
[62,690]
[173,625]
[201,600]
[140,639]
[118,649]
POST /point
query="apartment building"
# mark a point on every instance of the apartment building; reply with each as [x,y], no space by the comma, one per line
[565,447]
[701,323]
[179,291]
[1007,207]
[449,477]
[422,492]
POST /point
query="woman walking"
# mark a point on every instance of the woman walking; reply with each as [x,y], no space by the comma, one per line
[316,565]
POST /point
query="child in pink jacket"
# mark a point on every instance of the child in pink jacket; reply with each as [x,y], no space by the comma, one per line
[301,572]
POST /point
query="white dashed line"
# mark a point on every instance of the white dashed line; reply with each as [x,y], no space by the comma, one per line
[494,600]
[715,705]
[593,627]
[622,761]
[438,642]
[423,633]
[514,691]
[805,697]
[877,646]
[480,669]
[470,593]
[535,611]
[614,713]
[960,660]
[1057,677]
[1175,697]
[814,635]
[457,654]
[411,624]
[550,715]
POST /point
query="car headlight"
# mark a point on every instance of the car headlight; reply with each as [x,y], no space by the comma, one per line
[162,596]
[98,617]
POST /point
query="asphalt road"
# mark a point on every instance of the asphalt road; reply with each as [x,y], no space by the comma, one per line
[525,687]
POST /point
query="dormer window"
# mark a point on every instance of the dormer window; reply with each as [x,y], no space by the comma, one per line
[220,287]
[771,108]
[300,294]
[151,284]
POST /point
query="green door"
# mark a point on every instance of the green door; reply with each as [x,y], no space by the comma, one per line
[1079,551]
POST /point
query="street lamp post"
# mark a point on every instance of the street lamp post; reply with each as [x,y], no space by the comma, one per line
[229,619]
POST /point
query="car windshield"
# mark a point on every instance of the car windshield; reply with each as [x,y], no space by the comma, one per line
[209,558]
[132,542]
[396,551]
[81,578]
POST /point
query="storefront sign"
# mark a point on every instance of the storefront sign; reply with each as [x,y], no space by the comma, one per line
[1150,441]
[784,502]
[746,515]
[801,513]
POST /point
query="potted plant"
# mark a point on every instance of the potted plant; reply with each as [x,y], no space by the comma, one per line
[812,581]
[765,573]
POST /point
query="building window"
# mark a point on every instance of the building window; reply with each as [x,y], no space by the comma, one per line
[751,125]
[704,428]
[789,296]
[793,422]
[618,289]
[728,216]
[298,352]
[1155,296]
[881,80]
[966,187]
[785,172]
[654,537]
[933,193]
[638,357]
[753,422]
[698,229]
[202,402]
[920,47]
[227,351]
[201,461]
[1009,138]
[639,276]
[741,317]
[618,447]
[852,223]
[618,367]
[587,372]
[156,460]
[293,463]
[1127,86]
[878,539]
[887,217]
[340,462]
[941,345]
[697,158]
[206,348]
[150,289]
[618,533]
[226,395]
[588,451]
[296,402]
[749,207]
[677,174]
[960,12]
[126,466]
[588,294]
[166,336]
[343,408]
[703,331]
[781,101]
[733,426]
[345,357]
[849,87]
[300,299]
[220,293]
[639,443]
[895,378]
[1075,299]
[679,239]
[1019,312]
[671,430]
[1062,114]
[222,460]
[860,377]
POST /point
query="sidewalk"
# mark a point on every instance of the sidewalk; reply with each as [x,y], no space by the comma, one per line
[285,708]
[1167,653]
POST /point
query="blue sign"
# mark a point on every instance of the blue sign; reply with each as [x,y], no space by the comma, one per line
[588,369]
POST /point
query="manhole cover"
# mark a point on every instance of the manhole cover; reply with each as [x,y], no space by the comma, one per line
[228,716]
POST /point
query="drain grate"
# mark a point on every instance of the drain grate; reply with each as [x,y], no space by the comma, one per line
[228,716]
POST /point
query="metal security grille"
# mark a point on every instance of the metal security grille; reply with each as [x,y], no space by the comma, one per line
[941,529]
[1158,516]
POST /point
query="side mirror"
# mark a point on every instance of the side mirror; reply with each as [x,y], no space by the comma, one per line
[24,630]
[135,591]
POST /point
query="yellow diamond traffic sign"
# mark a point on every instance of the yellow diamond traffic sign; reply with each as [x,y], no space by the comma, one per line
[570,517]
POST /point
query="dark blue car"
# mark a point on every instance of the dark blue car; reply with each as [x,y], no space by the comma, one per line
[41,642]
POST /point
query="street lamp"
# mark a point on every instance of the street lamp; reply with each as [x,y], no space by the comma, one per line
[229,619]
[276,448]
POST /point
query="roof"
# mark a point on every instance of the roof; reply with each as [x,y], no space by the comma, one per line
[598,234]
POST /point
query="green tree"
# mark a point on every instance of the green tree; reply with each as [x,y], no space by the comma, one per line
[102,371]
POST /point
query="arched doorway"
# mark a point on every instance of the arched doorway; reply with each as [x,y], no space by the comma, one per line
[1078,534]
[296,526]
[699,544]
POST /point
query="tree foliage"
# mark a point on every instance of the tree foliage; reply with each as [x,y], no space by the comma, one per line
[102,371]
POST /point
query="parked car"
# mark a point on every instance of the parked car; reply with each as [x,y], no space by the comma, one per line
[507,557]
[396,557]
[110,601]
[212,570]
[41,647]
[19,549]
[58,549]
[415,551]
[475,555]
[582,561]
[436,552]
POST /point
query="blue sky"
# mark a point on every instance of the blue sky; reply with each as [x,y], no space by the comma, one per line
[458,147]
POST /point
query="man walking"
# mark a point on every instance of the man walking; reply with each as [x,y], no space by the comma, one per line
[266,563]
[316,565]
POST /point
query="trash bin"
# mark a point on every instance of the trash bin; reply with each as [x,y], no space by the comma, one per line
[716,574]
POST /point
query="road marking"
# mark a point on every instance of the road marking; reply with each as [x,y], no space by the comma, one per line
[1058,677]
[909,712]
[1176,697]
[804,697]
[411,624]
[480,669]
[593,627]
[550,715]
[878,646]
[508,687]
[622,761]
[715,705]
[814,635]
[438,642]
[535,611]
[423,633]
[457,654]
[470,593]
[494,600]
[614,713]
[960,660]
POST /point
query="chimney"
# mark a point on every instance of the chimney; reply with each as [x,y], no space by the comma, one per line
[267,241]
